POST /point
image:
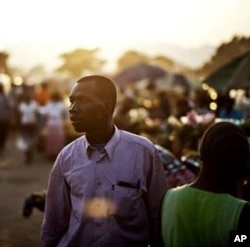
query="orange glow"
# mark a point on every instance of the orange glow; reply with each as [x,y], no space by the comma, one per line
[99,207]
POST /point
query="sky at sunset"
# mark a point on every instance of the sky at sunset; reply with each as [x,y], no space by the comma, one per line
[113,25]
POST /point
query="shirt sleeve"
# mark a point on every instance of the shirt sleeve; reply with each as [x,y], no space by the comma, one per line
[157,187]
[57,207]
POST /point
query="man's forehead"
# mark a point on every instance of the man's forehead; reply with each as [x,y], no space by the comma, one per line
[83,88]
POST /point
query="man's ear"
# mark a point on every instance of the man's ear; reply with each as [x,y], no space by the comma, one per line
[108,106]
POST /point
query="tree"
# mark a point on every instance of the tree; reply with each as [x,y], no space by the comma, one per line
[164,62]
[4,69]
[226,52]
[169,64]
[130,58]
[79,61]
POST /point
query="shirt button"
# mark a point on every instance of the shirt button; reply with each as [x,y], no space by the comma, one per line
[99,183]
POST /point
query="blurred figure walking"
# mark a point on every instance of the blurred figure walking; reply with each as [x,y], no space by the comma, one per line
[42,96]
[4,117]
[28,109]
[56,114]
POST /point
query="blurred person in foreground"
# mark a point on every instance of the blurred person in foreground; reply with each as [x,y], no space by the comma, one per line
[206,211]
[106,187]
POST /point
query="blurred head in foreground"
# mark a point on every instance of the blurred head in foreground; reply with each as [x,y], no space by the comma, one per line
[224,152]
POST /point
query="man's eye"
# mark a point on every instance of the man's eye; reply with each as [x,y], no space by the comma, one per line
[83,100]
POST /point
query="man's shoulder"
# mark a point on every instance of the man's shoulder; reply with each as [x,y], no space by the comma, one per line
[132,138]
[73,144]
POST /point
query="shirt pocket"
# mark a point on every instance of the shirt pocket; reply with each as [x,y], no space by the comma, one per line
[125,201]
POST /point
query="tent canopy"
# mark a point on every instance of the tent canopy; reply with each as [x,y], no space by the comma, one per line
[234,74]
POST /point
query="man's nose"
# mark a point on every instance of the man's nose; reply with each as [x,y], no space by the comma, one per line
[72,107]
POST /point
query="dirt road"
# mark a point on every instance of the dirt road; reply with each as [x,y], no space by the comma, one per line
[17,181]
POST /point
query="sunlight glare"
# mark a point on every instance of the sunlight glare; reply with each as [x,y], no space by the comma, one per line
[99,207]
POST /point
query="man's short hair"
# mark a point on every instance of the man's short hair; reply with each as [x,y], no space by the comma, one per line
[106,87]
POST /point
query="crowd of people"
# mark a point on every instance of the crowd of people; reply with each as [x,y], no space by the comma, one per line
[108,186]
[35,117]
[176,121]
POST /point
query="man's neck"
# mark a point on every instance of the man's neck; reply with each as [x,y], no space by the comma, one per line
[101,135]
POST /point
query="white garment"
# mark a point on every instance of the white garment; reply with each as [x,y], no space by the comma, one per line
[28,112]
[56,110]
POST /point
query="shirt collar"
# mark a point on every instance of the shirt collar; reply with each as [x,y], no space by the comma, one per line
[109,147]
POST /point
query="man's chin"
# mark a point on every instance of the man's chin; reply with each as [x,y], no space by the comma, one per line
[78,128]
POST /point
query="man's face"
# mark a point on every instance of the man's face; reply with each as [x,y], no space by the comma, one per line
[86,107]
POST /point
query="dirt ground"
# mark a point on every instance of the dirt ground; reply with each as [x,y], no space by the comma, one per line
[17,181]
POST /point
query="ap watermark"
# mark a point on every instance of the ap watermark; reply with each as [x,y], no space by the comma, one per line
[239,239]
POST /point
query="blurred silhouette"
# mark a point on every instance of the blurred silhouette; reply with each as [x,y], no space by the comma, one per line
[122,118]
[42,96]
[55,136]
[35,200]
[227,109]
[161,107]
[174,126]
[4,117]
[202,101]
[28,110]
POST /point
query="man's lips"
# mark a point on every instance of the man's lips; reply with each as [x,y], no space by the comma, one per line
[75,120]
[73,117]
